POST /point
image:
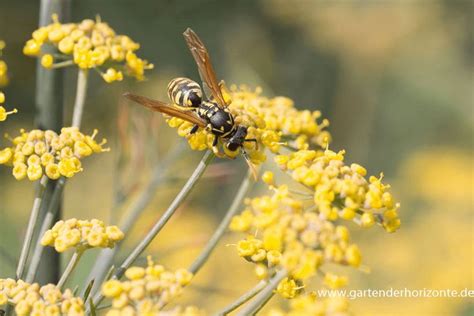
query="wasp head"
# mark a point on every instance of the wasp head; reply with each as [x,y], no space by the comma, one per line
[237,139]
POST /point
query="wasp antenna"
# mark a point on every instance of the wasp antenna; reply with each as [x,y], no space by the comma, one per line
[250,164]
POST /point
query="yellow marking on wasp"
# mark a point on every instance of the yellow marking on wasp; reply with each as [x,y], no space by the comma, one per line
[177,96]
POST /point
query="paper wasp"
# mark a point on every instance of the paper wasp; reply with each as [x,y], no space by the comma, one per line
[188,103]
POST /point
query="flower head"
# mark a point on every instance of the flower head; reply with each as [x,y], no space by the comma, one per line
[88,44]
[295,231]
[147,290]
[342,191]
[31,299]
[273,122]
[37,153]
[82,234]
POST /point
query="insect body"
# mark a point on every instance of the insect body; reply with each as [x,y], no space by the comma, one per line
[188,103]
[185,92]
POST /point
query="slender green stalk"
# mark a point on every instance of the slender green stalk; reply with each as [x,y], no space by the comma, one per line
[221,229]
[106,256]
[70,267]
[81,91]
[198,172]
[31,227]
[47,222]
[264,296]
[62,64]
[243,299]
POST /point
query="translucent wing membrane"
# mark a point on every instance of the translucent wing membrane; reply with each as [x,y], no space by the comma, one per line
[165,108]
[203,61]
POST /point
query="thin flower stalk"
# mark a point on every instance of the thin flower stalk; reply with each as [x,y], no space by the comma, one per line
[198,172]
[47,222]
[70,267]
[80,97]
[243,299]
[263,297]
[106,256]
[31,227]
[221,229]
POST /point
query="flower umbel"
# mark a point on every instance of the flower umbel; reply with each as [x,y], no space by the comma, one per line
[37,153]
[31,299]
[342,191]
[273,122]
[81,234]
[88,44]
[296,231]
[147,290]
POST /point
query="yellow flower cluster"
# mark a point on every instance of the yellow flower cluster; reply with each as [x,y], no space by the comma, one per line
[3,82]
[37,153]
[310,304]
[146,290]
[293,236]
[341,191]
[269,120]
[3,67]
[3,112]
[81,234]
[31,299]
[88,44]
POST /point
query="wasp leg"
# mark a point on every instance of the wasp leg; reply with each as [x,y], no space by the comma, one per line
[194,129]
[252,140]
[215,149]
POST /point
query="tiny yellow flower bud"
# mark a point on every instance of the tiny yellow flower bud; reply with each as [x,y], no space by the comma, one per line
[114,233]
[183,276]
[48,238]
[96,239]
[267,177]
[135,273]
[367,220]
[112,288]
[52,171]
[287,288]
[47,61]
[19,170]
[353,255]
[6,155]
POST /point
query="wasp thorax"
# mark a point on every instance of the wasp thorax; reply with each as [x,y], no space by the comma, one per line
[185,92]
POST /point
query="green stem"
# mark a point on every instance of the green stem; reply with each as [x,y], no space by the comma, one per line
[70,267]
[47,223]
[31,227]
[80,97]
[221,229]
[264,296]
[106,256]
[198,172]
[62,64]
[243,299]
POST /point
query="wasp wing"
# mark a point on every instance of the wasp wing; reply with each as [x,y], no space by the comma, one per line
[165,108]
[203,61]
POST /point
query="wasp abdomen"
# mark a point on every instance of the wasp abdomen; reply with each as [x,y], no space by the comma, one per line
[185,92]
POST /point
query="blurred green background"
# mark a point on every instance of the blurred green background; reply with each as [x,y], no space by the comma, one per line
[393,77]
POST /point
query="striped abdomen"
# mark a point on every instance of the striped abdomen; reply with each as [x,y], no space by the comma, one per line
[185,92]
